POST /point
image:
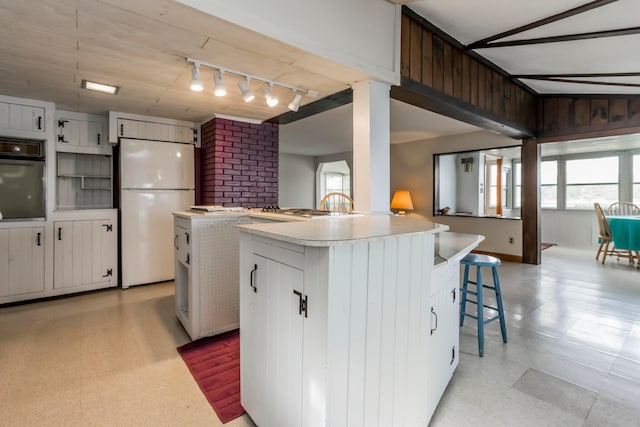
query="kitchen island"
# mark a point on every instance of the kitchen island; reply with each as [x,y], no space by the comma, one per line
[338,326]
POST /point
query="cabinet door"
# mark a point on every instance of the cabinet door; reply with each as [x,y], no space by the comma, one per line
[21,117]
[271,351]
[83,253]
[138,129]
[21,260]
[81,133]
[444,330]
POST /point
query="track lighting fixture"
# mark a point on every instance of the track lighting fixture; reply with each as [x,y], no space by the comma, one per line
[220,89]
[271,100]
[295,102]
[247,94]
[196,81]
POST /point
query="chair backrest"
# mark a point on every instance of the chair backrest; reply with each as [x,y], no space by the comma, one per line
[605,230]
[623,208]
[337,202]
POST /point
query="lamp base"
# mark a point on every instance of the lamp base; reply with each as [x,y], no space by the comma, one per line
[401,212]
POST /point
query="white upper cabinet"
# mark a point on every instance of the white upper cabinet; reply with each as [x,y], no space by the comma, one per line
[82,133]
[22,120]
[138,129]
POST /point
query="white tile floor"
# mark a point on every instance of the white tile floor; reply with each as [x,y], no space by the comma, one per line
[109,358]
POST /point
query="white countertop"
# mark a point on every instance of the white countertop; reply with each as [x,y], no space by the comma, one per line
[448,245]
[343,230]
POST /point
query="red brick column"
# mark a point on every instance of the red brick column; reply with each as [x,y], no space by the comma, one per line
[238,164]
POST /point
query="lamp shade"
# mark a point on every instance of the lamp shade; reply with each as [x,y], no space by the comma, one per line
[401,200]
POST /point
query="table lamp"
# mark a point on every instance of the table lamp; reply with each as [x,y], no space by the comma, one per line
[401,200]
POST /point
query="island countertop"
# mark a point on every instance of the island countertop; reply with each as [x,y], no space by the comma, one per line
[344,230]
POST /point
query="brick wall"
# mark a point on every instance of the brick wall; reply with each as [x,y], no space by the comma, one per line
[238,164]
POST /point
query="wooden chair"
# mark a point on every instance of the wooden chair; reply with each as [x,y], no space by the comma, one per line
[606,238]
[623,209]
[337,202]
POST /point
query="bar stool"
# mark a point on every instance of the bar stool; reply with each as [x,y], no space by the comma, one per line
[480,261]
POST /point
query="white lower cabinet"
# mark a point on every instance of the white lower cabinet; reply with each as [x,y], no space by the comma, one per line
[22,254]
[84,254]
[334,336]
[206,272]
[277,317]
[444,328]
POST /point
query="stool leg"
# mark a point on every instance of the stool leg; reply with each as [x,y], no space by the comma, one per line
[496,284]
[463,294]
[479,289]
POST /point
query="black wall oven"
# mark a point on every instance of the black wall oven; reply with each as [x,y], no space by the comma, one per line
[22,178]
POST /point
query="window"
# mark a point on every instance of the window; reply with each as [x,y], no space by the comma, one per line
[590,180]
[636,179]
[549,184]
[492,184]
[334,182]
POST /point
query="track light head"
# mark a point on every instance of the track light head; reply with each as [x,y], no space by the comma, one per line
[272,100]
[220,89]
[295,102]
[196,81]
[247,94]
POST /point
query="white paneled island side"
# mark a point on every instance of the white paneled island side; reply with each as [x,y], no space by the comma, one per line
[347,322]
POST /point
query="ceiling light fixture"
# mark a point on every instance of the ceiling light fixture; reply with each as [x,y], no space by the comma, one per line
[247,94]
[295,102]
[271,100]
[196,81]
[100,87]
[220,89]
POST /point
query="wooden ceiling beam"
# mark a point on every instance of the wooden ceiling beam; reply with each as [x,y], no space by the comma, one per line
[565,38]
[574,75]
[587,82]
[557,17]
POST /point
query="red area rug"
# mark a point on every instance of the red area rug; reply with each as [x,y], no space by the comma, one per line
[214,363]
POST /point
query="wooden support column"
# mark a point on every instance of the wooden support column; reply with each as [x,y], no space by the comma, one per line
[531,211]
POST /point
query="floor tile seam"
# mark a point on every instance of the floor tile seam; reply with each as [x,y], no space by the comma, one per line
[546,371]
[635,381]
[576,342]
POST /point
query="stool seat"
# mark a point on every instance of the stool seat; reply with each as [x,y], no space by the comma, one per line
[480,260]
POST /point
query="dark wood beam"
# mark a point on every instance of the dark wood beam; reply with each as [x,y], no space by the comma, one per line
[327,103]
[573,75]
[557,17]
[586,82]
[434,100]
[531,211]
[565,38]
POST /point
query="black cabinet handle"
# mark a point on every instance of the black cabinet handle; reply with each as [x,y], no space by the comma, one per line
[453,293]
[187,237]
[302,303]
[39,122]
[38,239]
[59,233]
[175,242]
[98,139]
[122,130]
[435,314]
[453,354]
[188,260]
[252,278]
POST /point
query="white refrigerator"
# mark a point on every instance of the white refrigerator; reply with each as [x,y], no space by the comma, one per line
[156,179]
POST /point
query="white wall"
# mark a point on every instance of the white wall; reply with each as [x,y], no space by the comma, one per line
[296,180]
[412,169]
[325,28]
[577,229]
